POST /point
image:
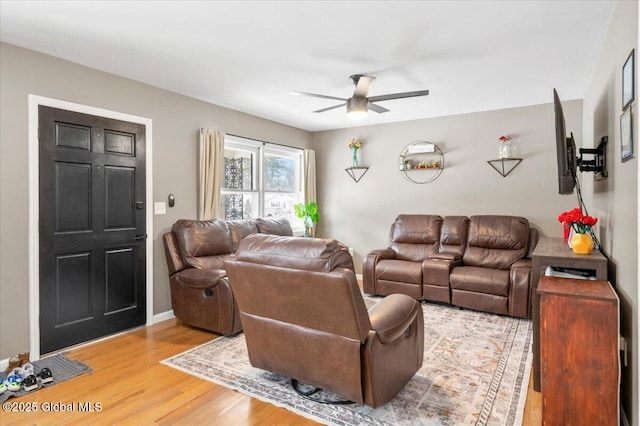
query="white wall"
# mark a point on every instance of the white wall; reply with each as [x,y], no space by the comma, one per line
[360,214]
[615,200]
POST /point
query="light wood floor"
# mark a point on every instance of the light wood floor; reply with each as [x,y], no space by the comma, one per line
[132,387]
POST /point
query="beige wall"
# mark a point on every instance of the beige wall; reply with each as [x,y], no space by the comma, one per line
[615,200]
[176,120]
[360,214]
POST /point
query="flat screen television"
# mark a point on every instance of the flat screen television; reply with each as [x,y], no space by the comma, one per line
[566,151]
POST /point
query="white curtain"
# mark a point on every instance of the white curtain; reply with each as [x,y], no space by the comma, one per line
[309,176]
[211,173]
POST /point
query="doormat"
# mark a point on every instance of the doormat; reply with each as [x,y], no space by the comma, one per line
[62,369]
[475,372]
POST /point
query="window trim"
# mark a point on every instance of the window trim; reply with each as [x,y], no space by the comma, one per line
[261,149]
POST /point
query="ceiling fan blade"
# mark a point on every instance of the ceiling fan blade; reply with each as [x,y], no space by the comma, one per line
[318,96]
[398,96]
[330,108]
[377,108]
[363,85]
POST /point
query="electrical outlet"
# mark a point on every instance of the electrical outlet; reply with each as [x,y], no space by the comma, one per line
[351,251]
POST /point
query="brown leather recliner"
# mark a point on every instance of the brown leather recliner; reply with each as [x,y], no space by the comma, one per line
[304,317]
[195,252]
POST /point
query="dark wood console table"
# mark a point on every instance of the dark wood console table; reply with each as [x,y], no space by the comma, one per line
[580,367]
[555,252]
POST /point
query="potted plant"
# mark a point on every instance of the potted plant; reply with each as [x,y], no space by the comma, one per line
[309,214]
[581,224]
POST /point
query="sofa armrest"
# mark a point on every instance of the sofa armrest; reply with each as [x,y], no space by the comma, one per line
[386,253]
[534,237]
[392,316]
[386,367]
[446,256]
[436,271]
[200,278]
[369,268]
[520,279]
[522,263]
[172,253]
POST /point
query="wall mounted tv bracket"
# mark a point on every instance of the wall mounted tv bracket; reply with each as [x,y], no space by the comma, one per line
[599,163]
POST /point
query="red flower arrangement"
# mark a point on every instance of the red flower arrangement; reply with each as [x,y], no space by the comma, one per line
[580,223]
[504,138]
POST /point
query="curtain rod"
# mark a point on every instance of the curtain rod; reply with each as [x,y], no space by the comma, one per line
[264,142]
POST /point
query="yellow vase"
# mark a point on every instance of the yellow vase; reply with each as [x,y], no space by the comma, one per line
[582,243]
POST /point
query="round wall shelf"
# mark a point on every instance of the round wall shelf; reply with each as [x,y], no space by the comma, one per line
[421,162]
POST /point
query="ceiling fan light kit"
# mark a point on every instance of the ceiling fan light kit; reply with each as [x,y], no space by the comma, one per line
[359,104]
[357,108]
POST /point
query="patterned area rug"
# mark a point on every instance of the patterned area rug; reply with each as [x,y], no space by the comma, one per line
[475,372]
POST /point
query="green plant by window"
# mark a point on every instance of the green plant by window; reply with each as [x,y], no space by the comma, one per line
[309,214]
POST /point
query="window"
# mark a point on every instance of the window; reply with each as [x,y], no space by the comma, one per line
[261,180]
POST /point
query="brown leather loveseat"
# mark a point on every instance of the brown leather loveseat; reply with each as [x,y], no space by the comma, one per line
[481,262]
[304,317]
[195,252]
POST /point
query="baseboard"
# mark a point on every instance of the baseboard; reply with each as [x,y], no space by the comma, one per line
[163,316]
[359,277]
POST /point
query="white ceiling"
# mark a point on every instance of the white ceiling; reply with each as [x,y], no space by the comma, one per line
[248,55]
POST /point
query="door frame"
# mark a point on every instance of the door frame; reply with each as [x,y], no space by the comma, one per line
[34,102]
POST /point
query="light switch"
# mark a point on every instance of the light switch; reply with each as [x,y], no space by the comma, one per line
[160,208]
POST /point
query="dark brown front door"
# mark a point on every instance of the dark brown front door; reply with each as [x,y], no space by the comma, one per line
[92,227]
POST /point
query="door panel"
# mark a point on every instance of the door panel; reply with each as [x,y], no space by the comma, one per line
[73,290]
[92,227]
[72,191]
[119,143]
[70,136]
[120,266]
[120,197]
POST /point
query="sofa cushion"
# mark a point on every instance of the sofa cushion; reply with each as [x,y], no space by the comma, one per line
[480,280]
[240,229]
[415,237]
[496,241]
[400,271]
[274,226]
[453,235]
[311,254]
[202,238]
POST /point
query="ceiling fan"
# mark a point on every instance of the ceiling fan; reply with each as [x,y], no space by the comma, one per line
[359,104]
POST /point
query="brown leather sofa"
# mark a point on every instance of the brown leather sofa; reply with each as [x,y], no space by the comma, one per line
[195,252]
[481,262]
[305,318]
